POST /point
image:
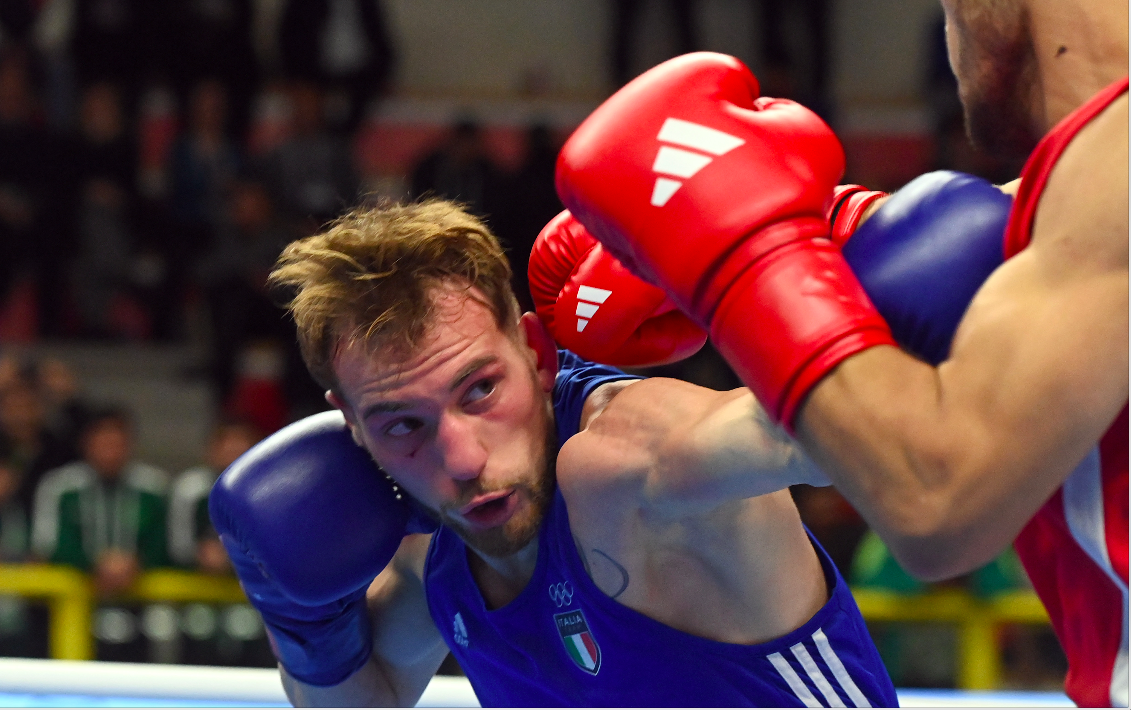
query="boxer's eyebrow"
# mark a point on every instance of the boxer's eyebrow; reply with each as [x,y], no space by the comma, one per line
[393,407]
[383,408]
[472,368]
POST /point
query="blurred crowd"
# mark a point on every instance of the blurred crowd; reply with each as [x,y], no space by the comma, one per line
[73,492]
[153,164]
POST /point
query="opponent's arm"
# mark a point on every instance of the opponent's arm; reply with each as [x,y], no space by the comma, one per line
[407,648]
[948,463]
[937,239]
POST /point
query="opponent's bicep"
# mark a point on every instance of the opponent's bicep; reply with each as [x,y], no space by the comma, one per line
[1041,356]
[1043,346]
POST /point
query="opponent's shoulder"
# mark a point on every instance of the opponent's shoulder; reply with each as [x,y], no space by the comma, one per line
[1082,215]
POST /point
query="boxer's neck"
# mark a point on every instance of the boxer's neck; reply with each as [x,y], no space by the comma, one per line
[1080,48]
[501,579]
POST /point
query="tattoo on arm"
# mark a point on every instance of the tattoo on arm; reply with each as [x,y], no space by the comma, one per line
[584,559]
[622,570]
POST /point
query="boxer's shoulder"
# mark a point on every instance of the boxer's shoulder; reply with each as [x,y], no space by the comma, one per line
[1084,205]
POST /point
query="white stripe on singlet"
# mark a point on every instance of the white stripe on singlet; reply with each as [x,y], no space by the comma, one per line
[839,671]
[816,675]
[794,681]
[1084,512]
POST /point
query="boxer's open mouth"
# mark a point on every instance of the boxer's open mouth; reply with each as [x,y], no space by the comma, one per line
[489,510]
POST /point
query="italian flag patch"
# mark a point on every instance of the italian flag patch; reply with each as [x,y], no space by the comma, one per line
[578,640]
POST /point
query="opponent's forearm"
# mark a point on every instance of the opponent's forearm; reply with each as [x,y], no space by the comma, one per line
[927,470]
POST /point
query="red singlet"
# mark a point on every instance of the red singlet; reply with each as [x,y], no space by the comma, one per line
[1075,547]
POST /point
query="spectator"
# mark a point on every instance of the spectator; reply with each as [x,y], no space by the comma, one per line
[342,45]
[104,513]
[193,542]
[203,166]
[105,163]
[233,276]
[626,25]
[793,70]
[312,173]
[58,388]
[17,17]
[30,229]
[25,453]
[17,622]
[212,41]
[529,202]
[28,447]
[460,170]
[114,40]
[14,517]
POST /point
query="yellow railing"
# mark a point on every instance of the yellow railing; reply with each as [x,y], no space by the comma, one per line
[979,663]
[71,600]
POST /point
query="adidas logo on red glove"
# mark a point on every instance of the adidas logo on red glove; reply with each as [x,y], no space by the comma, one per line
[593,306]
[685,163]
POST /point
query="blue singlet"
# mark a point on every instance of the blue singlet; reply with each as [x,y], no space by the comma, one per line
[563,642]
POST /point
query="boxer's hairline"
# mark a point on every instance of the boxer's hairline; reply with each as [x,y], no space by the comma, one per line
[371,277]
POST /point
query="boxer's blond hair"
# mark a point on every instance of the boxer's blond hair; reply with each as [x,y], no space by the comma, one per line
[370,278]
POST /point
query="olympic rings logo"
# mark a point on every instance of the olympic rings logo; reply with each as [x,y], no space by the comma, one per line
[561,593]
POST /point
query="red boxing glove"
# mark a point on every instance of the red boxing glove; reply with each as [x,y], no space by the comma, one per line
[593,306]
[848,205]
[719,196]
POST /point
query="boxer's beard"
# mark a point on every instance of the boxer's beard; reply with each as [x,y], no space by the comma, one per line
[516,533]
[997,75]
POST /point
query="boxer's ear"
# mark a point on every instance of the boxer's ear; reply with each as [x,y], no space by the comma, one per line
[539,340]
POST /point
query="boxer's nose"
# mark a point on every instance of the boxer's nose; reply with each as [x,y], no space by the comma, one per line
[462,454]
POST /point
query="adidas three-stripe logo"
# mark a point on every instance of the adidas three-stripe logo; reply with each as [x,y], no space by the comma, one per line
[589,299]
[683,163]
[818,680]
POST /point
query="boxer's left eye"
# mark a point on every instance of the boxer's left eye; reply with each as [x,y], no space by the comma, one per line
[478,391]
[403,427]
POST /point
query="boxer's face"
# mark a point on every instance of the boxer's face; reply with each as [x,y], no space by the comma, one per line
[991,53]
[465,424]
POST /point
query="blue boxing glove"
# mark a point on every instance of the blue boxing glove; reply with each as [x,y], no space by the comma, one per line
[309,521]
[924,254]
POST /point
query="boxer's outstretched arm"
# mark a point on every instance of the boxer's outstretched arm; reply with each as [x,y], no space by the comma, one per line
[675,449]
[949,463]
[407,648]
